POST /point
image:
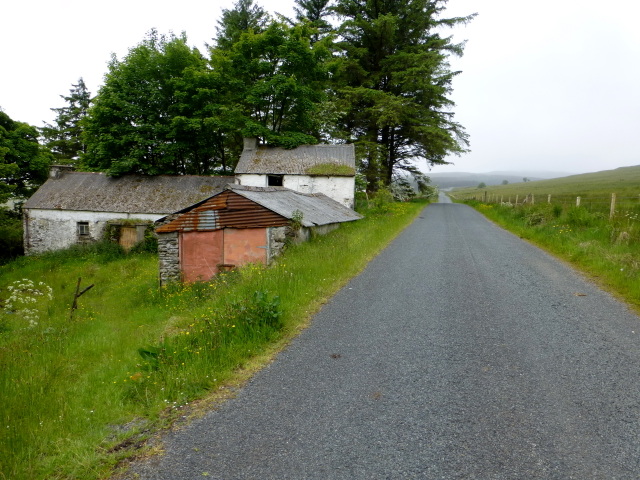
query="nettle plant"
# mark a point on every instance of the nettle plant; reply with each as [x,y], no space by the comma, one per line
[26,299]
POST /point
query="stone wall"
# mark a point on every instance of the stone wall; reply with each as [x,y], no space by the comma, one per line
[169,258]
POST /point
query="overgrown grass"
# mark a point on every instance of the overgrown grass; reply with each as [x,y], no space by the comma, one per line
[79,393]
[607,249]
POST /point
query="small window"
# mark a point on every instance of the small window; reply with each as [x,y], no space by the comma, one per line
[83,229]
[275,180]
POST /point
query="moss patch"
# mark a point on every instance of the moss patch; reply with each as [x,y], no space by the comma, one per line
[331,169]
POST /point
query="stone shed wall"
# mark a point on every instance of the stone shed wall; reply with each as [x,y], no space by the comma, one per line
[169,258]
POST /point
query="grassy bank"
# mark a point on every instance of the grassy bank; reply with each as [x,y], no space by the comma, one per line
[608,249]
[81,392]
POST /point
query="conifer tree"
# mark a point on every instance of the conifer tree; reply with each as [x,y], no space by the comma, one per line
[392,80]
[316,13]
[64,137]
[244,17]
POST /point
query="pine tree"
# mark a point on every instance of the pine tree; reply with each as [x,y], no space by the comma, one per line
[244,17]
[392,80]
[315,12]
[64,138]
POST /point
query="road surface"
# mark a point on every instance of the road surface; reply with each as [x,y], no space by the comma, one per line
[461,352]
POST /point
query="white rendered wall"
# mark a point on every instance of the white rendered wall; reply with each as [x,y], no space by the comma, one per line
[47,230]
[340,189]
[252,180]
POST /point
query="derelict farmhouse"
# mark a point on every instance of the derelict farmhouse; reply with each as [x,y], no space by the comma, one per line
[204,224]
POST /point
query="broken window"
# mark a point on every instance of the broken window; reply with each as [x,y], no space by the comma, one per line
[275,180]
[83,229]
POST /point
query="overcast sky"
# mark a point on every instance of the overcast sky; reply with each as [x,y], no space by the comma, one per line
[552,85]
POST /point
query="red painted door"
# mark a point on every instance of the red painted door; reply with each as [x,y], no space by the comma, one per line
[200,254]
[245,245]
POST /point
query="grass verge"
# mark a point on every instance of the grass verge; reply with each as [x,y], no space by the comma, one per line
[81,393]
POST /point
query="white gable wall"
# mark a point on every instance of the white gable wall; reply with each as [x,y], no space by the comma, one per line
[47,230]
[340,189]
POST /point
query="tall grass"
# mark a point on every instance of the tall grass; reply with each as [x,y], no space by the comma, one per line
[78,394]
[607,249]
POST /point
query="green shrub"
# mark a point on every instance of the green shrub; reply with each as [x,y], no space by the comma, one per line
[580,217]
[10,235]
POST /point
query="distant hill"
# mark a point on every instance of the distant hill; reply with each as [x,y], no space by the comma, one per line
[464,179]
[624,181]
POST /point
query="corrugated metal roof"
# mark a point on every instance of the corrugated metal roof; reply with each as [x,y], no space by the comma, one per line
[227,209]
[251,207]
[296,161]
[98,192]
[316,208]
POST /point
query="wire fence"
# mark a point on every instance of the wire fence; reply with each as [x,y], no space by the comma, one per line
[612,205]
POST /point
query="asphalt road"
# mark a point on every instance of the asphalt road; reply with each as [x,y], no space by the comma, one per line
[461,352]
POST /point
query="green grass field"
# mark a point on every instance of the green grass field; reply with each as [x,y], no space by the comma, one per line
[80,394]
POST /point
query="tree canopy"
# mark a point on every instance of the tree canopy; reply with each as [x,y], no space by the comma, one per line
[380,79]
[393,79]
[274,84]
[24,163]
[154,113]
[64,138]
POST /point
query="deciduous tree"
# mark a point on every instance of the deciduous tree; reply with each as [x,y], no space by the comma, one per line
[156,113]
[274,84]
[24,163]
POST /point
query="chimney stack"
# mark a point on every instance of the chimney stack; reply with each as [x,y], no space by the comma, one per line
[57,171]
[250,143]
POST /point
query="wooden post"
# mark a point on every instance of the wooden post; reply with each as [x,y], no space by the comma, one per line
[612,212]
[78,294]
[501,198]
[516,199]
[549,198]
[577,201]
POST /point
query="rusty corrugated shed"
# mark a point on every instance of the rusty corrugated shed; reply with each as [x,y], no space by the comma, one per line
[296,161]
[97,192]
[316,208]
[253,207]
[225,210]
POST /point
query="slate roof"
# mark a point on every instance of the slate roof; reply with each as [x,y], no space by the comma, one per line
[97,192]
[279,161]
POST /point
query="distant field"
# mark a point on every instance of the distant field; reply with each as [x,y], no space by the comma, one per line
[591,187]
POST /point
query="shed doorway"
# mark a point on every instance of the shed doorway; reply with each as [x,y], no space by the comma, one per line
[205,253]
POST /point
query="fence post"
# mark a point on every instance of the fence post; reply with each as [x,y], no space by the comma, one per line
[613,206]
[516,199]
[549,198]
[577,201]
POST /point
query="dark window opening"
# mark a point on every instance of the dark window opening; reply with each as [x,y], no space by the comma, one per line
[275,180]
[83,229]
